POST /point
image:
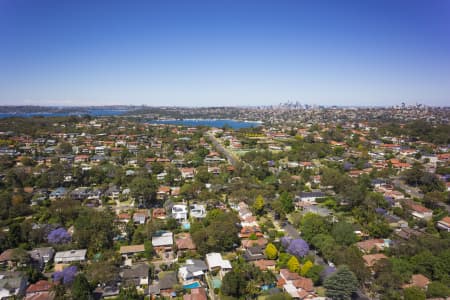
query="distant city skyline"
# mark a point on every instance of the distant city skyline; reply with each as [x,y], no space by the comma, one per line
[229,53]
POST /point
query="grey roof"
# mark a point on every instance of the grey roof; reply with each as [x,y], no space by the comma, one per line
[197,263]
[39,253]
[167,280]
[11,280]
[254,253]
[137,271]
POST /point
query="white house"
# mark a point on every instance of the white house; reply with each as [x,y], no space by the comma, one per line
[444,224]
[70,256]
[180,212]
[198,211]
[216,262]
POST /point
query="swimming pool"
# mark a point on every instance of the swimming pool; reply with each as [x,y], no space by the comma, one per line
[186,226]
[192,285]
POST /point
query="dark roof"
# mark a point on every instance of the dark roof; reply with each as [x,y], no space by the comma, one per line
[137,271]
[254,253]
[167,280]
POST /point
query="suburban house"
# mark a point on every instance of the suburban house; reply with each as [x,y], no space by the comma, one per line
[165,284]
[137,275]
[444,224]
[374,244]
[371,259]
[184,243]
[261,242]
[6,258]
[216,262]
[192,269]
[12,284]
[42,256]
[39,291]
[70,256]
[419,281]
[159,213]
[254,253]
[265,264]
[418,211]
[187,173]
[296,286]
[180,212]
[58,193]
[310,197]
[197,211]
[196,294]
[162,243]
[140,216]
[127,251]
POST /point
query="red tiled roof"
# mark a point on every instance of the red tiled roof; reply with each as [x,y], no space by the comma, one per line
[288,275]
[184,242]
[371,259]
[196,294]
[446,220]
[304,283]
[6,255]
[40,286]
[264,264]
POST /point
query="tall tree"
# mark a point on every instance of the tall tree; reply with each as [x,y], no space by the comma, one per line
[81,290]
[341,285]
[258,205]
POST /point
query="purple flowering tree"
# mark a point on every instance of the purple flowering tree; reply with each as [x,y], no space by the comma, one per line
[348,166]
[58,236]
[298,247]
[66,276]
[380,211]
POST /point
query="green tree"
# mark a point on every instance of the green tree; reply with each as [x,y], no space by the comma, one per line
[414,293]
[352,258]
[437,289]
[233,284]
[312,225]
[280,296]
[293,264]
[271,251]
[81,289]
[434,199]
[314,274]
[306,267]
[102,272]
[144,189]
[59,291]
[258,205]
[344,233]
[218,232]
[341,285]
[286,202]
[148,249]
[95,230]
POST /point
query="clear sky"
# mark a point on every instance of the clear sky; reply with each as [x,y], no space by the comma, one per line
[219,52]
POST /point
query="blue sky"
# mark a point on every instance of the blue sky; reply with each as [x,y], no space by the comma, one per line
[201,53]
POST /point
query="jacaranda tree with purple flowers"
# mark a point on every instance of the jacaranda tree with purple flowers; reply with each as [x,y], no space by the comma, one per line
[298,247]
[59,236]
[66,276]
